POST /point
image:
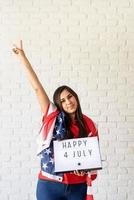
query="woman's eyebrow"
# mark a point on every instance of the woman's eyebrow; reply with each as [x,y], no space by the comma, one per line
[65,97]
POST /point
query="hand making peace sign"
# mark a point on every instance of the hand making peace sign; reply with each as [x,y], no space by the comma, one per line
[18,50]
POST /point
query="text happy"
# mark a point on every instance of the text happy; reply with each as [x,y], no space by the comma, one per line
[74,144]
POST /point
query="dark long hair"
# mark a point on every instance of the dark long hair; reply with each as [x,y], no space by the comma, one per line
[79,117]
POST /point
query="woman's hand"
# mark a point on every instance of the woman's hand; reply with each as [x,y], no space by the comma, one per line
[79,172]
[18,50]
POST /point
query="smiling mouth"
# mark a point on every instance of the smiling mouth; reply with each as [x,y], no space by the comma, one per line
[70,107]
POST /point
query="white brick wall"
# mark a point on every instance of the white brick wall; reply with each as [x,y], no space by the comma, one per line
[88,45]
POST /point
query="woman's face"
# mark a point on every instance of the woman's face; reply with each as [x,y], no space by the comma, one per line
[69,103]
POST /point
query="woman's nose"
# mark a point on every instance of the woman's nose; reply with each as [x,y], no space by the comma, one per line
[68,101]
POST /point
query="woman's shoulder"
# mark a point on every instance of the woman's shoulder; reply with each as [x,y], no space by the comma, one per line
[50,112]
[88,119]
[91,126]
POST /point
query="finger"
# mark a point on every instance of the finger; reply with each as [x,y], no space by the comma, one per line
[82,173]
[79,173]
[15,50]
[15,46]
[76,172]
[21,44]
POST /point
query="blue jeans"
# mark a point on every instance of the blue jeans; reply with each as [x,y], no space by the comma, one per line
[50,190]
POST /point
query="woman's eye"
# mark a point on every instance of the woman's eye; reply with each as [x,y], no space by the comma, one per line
[62,101]
[69,96]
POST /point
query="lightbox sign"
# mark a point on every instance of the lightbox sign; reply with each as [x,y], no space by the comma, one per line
[77,154]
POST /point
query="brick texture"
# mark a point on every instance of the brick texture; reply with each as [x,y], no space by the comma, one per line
[88,45]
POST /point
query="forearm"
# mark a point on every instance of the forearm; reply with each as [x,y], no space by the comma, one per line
[31,75]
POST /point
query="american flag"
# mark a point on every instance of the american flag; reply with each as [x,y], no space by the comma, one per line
[47,155]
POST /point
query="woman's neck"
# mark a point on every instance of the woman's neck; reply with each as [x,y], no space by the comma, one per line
[72,116]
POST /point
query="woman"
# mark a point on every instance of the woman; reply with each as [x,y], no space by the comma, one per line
[62,119]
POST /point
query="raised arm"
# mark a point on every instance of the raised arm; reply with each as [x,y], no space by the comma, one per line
[37,86]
